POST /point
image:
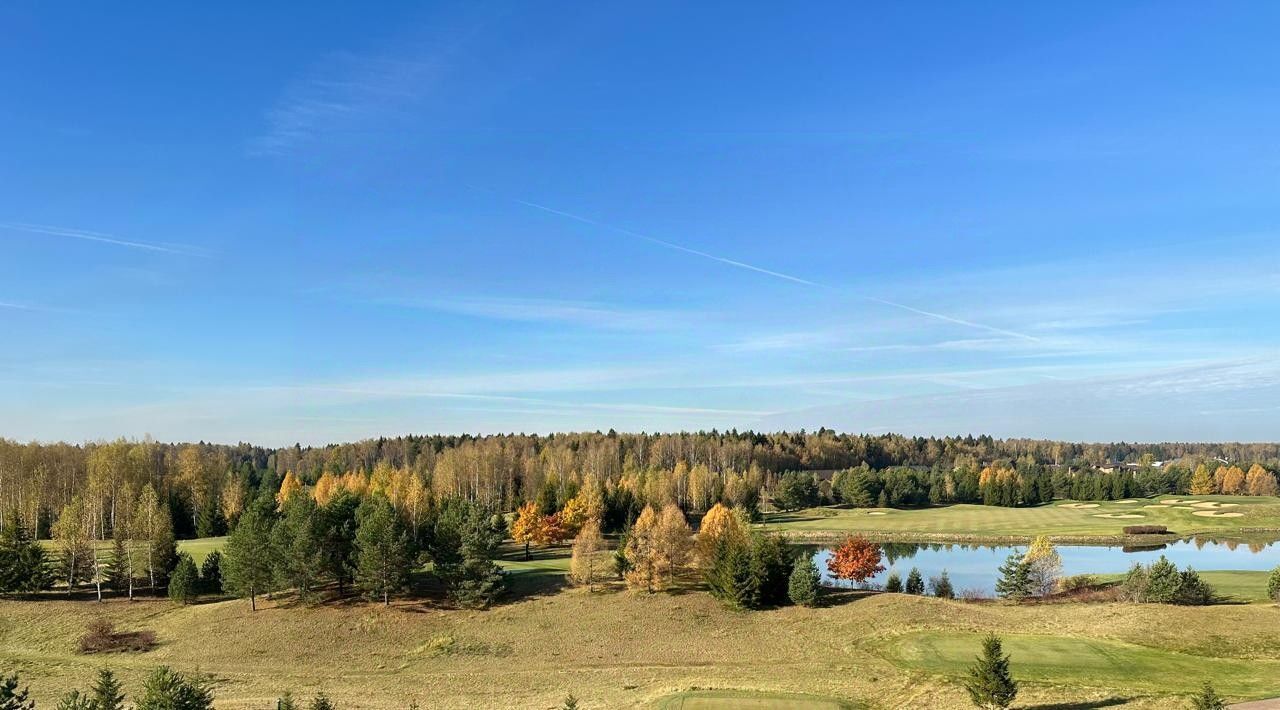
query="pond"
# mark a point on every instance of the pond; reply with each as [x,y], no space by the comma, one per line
[974,566]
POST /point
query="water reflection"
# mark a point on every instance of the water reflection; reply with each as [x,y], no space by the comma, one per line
[974,565]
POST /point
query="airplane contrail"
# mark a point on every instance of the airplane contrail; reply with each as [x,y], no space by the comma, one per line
[776,274]
[93,237]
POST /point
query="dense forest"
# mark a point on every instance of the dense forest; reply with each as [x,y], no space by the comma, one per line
[207,486]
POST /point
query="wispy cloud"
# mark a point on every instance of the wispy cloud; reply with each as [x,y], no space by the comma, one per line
[343,95]
[88,236]
[588,314]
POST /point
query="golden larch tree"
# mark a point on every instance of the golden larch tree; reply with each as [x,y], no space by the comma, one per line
[675,539]
[586,567]
[644,555]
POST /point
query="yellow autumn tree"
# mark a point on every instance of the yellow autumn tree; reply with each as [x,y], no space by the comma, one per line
[1232,482]
[355,483]
[527,528]
[290,485]
[585,566]
[1045,565]
[327,488]
[644,553]
[1260,482]
[1201,482]
[574,515]
[716,524]
[592,498]
[675,540]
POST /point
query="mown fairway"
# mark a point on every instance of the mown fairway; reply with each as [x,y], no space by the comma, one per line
[1063,519]
[618,649]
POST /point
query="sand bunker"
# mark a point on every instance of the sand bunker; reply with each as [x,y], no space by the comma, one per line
[1078,505]
[1175,501]
[1183,507]
[1211,504]
[1126,501]
[1119,515]
[1216,514]
[1156,505]
[877,512]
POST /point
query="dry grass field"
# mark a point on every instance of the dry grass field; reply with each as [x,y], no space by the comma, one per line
[616,649]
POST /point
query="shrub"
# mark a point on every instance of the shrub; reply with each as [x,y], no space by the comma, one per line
[1162,583]
[1078,582]
[1146,530]
[1273,585]
[1208,699]
[974,594]
[101,637]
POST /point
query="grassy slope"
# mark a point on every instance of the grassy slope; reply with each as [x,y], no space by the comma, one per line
[616,649]
[1055,519]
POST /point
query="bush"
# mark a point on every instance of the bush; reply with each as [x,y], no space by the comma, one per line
[1145,530]
[1273,585]
[101,637]
[1162,583]
[1078,582]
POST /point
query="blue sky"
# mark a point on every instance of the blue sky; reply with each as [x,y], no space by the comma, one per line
[250,223]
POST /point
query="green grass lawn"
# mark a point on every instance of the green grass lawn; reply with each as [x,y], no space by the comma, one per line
[1062,519]
[1061,660]
[748,700]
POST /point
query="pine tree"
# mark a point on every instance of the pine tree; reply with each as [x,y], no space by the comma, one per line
[286,702]
[107,692]
[990,684]
[247,568]
[166,689]
[24,566]
[184,584]
[75,700]
[295,547]
[674,539]
[1015,578]
[805,584]
[1163,581]
[1202,482]
[11,698]
[118,566]
[915,583]
[893,584]
[941,586]
[1273,585]
[321,702]
[729,576]
[570,703]
[476,580]
[382,546]
[644,553]
[211,573]
[770,569]
[1208,699]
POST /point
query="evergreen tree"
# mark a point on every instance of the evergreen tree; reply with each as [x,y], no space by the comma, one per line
[295,547]
[166,689]
[286,702]
[1273,585]
[990,684]
[337,522]
[893,584]
[805,585]
[382,549]
[1208,699]
[321,702]
[476,580]
[570,703]
[915,583]
[248,563]
[1163,581]
[770,570]
[107,692]
[75,700]
[165,550]
[184,583]
[11,698]
[1015,580]
[23,564]
[118,566]
[729,576]
[941,586]
[211,573]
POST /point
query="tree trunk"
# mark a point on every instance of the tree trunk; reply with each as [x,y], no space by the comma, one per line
[253,600]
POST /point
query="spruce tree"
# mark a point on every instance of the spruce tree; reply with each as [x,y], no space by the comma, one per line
[1273,585]
[1015,581]
[321,702]
[13,698]
[1163,581]
[990,684]
[107,692]
[184,583]
[23,564]
[805,584]
[118,565]
[75,700]
[295,547]
[211,573]
[770,569]
[1208,699]
[893,584]
[382,545]
[286,702]
[476,581]
[247,567]
[166,689]
[915,583]
[941,586]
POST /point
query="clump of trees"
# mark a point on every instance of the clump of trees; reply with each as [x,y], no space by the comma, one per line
[1036,572]
[1162,583]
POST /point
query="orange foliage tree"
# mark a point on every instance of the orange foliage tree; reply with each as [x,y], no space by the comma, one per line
[856,559]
